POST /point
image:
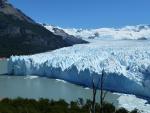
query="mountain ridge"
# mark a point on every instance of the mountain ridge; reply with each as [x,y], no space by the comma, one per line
[20,35]
[67,37]
[138,32]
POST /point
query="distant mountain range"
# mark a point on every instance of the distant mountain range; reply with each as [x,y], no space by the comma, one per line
[20,35]
[139,32]
[69,38]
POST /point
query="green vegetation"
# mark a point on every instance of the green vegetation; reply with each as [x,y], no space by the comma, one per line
[20,105]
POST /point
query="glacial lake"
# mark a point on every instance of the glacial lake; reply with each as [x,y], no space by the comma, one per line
[40,87]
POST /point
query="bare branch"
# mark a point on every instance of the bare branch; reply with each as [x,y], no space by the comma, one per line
[104,95]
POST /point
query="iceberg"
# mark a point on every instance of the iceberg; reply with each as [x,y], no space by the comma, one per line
[126,65]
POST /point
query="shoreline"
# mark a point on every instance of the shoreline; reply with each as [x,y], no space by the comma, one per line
[120,98]
[3,66]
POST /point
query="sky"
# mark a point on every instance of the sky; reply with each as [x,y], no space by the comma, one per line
[86,13]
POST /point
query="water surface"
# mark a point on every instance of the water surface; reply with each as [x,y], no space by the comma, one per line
[3,66]
[36,87]
[40,87]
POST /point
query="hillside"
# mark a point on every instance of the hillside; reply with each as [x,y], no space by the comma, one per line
[20,35]
[70,39]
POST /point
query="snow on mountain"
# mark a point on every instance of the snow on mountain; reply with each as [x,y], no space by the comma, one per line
[126,64]
[139,32]
[70,39]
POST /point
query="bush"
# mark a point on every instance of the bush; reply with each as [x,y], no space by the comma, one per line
[108,108]
[122,110]
[20,105]
[135,111]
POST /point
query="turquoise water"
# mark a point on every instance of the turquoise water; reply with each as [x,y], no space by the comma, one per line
[38,87]
[3,66]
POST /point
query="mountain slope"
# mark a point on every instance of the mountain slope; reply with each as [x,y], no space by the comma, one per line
[20,35]
[68,38]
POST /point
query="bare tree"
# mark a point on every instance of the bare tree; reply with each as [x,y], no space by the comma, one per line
[95,88]
[94,96]
[102,93]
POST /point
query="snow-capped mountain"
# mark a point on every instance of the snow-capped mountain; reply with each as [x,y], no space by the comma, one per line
[139,32]
[68,38]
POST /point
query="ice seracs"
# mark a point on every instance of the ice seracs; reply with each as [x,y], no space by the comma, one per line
[126,65]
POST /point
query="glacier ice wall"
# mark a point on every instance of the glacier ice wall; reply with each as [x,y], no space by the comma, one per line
[126,65]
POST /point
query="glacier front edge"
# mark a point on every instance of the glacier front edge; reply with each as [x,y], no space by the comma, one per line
[126,65]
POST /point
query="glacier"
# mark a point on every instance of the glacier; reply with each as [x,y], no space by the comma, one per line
[126,65]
